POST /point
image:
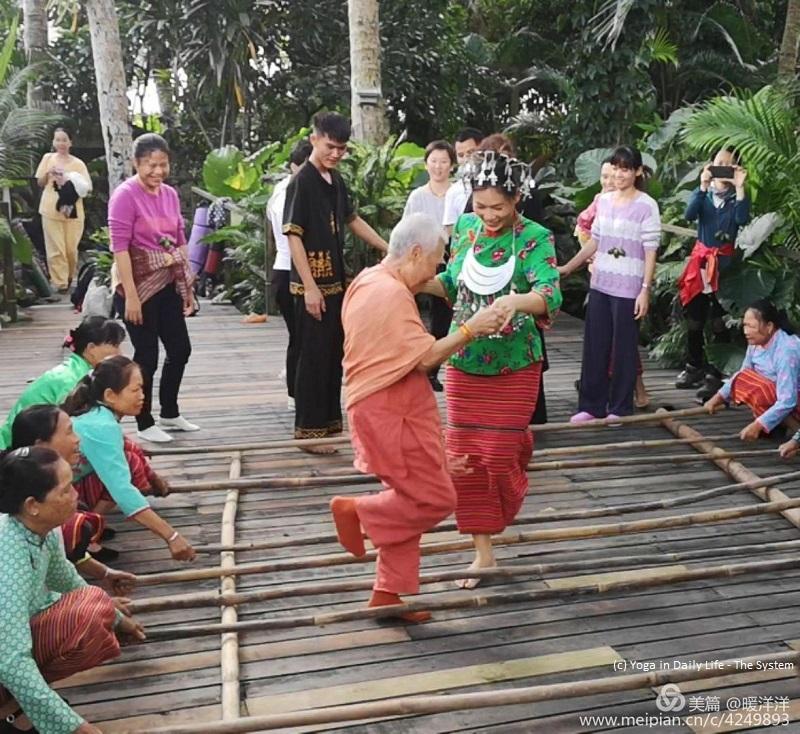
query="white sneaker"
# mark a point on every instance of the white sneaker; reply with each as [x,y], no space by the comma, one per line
[290,404]
[154,434]
[177,424]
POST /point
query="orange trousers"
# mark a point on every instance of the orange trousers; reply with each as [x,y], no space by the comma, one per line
[397,435]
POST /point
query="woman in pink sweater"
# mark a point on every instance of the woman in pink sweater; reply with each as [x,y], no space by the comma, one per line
[155,290]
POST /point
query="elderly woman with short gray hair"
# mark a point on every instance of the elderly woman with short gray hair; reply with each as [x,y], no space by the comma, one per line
[391,405]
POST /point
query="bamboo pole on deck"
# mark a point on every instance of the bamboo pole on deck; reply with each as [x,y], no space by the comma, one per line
[336,478]
[539,517]
[439,704]
[634,444]
[344,439]
[316,588]
[536,536]
[733,469]
[229,641]
[471,600]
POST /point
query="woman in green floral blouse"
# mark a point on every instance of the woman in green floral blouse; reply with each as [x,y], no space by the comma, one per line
[54,625]
[498,258]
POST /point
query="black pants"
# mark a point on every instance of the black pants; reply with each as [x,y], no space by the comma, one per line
[441,318]
[611,336]
[539,416]
[698,311]
[318,375]
[162,319]
[280,281]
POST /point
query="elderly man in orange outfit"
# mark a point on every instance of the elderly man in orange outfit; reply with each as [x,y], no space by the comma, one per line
[393,415]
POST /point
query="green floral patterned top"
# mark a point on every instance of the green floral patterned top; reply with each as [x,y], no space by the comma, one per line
[35,574]
[520,344]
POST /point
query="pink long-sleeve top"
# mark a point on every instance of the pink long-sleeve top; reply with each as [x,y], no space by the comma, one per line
[139,218]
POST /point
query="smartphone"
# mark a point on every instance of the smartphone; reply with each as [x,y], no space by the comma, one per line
[721,171]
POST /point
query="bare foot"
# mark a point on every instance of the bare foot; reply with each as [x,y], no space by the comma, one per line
[640,397]
[476,565]
[320,450]
[158,486]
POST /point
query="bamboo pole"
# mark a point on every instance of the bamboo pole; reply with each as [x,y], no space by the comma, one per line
[344,439]
[229,641]
[476,600]
[647,460]
[733,469]
[439,704]
[537,536]
[316,588]
[334,478]
[635,444]
[291,443]
[539,517]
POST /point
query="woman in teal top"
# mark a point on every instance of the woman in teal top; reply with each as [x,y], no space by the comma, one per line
[102,398]
[94,339]
[54,625]
[503,260]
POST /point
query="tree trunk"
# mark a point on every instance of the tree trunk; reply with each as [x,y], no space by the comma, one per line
[34,36]
[787,57]
[367,105]
[111,89]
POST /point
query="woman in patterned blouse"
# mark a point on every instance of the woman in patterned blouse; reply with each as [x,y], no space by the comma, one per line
[501,259]
[54,625]
[769,378]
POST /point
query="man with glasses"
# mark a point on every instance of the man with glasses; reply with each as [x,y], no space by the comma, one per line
[318,207]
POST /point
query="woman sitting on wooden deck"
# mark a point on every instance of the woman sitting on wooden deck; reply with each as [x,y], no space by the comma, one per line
[768,379]
[54,625]
[47,426]
[109,475]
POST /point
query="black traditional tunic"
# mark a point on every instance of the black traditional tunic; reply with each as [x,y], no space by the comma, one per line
[317,212]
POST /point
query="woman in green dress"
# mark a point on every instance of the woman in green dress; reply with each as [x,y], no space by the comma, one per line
[499,258]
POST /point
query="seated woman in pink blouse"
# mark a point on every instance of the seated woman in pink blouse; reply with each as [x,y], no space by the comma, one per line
[155,282]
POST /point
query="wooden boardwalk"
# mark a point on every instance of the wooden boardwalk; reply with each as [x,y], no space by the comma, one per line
[232,390]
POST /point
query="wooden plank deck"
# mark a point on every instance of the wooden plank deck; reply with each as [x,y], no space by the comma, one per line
[232,390]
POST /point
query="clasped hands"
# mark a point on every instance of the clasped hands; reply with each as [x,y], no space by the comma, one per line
[495,318]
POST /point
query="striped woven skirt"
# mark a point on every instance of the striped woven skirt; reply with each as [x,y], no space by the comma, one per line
[487,421]
[75,634]
[757,392]
[91,490]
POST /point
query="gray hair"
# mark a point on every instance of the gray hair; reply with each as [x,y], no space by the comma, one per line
[415,229]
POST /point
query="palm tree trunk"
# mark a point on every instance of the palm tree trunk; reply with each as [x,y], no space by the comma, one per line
[787,57]
[366,105]
[34,36]
[111,89]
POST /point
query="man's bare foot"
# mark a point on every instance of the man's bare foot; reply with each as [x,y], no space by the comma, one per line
[386,598]
[348,527]
[476,565]
[320,450]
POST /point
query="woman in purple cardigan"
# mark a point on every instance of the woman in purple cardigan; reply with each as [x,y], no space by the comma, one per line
[155,282]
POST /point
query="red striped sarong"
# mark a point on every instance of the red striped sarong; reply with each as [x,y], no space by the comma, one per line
[757,392]
[82,529]
[91,490]
[75,634]
[487,420]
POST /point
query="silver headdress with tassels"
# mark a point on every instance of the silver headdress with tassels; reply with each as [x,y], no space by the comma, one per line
[487,168]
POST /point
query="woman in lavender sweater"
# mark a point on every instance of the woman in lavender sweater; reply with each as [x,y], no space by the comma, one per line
[625,236]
